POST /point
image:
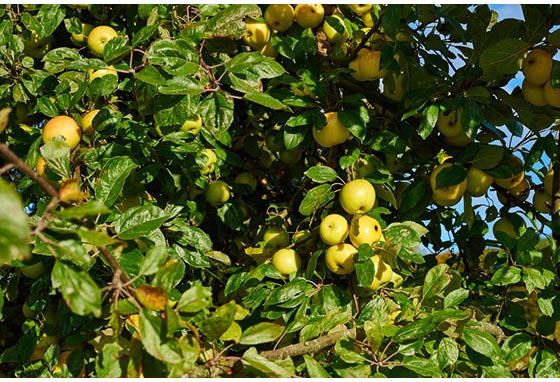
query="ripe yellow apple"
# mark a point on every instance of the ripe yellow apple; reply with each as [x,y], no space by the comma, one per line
[210,157]
[309,15]
[276,237]
[505,225]
[192,125]
[551,95]
[333,35]
[269,50]
[515,179]
[247,178]
[460,140]
[534,94]
[367,19]
[360,9]
[80,39]
[98,37]
[478,181]
[286,261]
[279,16]
[542,202]
[37,47]
[257,33]
[333,229]
[365,230]
[519,192]
[366,65]
[87,121]
[340,258]
[217,193]
[109,71]
[537,66]
[64,126]
[547,182]
[450,195]
[449,124]
[357,197]
[383,273]
[333,133]
[41,166]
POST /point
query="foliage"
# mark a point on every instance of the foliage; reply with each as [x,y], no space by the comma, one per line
[119,267]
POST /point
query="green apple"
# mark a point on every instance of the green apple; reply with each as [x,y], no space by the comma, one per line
[276,237]
[333,133]
[551,95]
[367,19]
[80,39]
[333,229]
[365,230]
[37,47]
[279,16]
[506,225]
[269,50]
[247,178]
[192,125]
[478,181]
[537,66]
[34,271]
[534,94]
[257,33]
[286,261]
[394,86]
[340,258]
[357,196]
[309,15]
[98,37]
[217,193]
[331,27]
[449,124]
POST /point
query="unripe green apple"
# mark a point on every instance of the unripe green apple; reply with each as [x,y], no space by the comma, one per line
[506,225]
[360,9]
[383,273]
[217,193]
[333,229]
[515,179]
[367,65]
[210,166]
[357,197]
[247,178]
[450,195]
[519,193]
[547,182]
[80,39]
[34,271]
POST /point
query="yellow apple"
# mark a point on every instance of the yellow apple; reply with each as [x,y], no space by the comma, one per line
[367,19]
[333,229]
[41,166]
[247,178]
[450,195]
[37,47]
[449,124]
[210,165]
[513,180]
[217,193]
[365,230]
[534,94]
[286,261]
[80,39]
[551,95]
[547,182]
[192,125]
[309,15]
[478,181]
[98,37]
[333,35]
[87,121]
[357,197]
[460,140]
[109,71]
[542,202]
[537,66]
[276,237]
[519,193]
[333,133]
[383,273]
[269,50]
[257,33]
[279,16]
[505,225]
[340,258]
[64,126]
[366,65]
[360,9]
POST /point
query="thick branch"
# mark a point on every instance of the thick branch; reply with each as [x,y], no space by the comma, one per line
[308,347]
[21,166]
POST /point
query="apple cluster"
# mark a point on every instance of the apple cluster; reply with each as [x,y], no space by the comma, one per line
[536,87]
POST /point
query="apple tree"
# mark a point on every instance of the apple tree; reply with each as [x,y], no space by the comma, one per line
[277,191]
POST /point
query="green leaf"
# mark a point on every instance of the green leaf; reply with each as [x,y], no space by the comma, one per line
[219,321]
[57,155]
[517,346]
[195,299]
[314,368]
[72,251]
[261,333]
[111,181]
[483,343]
[506,275]
[264,99]
[153,260]
[152,334]
[150,75]
[406,233]
[78,289]
[315,198]
[487,157]
[416,329]
[139,221]
[143,35]
[91,208]
[254,62]
[447,352]
[436,280]
[181,85]
[252,358]
[501,59]
[544,364]
[422,366]
[14,226]
[455,297]
[231,215]
[229,21]
[428,122]
[344,348]
[115,49]
[321,174]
